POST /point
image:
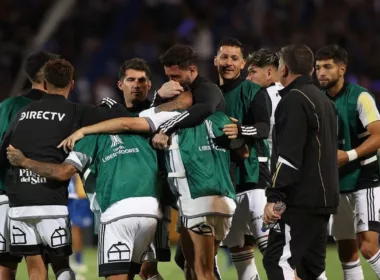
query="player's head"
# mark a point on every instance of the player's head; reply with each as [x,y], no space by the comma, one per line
[262,67]
[58,76]
[34,63]
[330,65]
[295,60]
[180,64]
[134,80]
[229,59]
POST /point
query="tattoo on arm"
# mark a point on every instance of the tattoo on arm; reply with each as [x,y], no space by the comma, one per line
[60,172]
[182,102]
[171,106]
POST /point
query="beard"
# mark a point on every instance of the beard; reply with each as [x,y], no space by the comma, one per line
[329,84]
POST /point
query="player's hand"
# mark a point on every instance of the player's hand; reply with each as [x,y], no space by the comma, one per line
[170,89]
[231,130]
[160,140]
[15,156]
[69,143]
[270,215]
[342,158]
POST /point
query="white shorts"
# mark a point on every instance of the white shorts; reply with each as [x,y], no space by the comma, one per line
[357,212]
[4,227]
[123,243]
[159,249]
[32,236]
[209,225]
[247,220]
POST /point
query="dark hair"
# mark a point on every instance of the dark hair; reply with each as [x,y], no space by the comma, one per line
[58,72]
[298,58]
[138,64]
[334,52]
[181,55]
[231,42]
[34,63]
[263,57]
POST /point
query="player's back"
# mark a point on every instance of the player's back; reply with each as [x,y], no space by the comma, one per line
[40,127]
[206,158]
[125,166]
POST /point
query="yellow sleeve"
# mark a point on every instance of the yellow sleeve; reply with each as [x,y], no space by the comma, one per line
[367,109]
[79,186]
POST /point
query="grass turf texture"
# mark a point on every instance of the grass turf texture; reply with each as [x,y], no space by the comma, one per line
[170,271]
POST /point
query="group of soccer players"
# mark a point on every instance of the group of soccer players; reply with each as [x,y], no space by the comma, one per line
[200,148]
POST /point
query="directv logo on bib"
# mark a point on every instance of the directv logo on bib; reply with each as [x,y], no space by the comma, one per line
[42,115]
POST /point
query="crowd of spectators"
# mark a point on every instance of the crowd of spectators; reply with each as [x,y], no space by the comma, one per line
[97,35]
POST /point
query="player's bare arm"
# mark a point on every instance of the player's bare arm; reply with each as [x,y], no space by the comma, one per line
[60,172]
[369,116]
[369,146]
[110,126]
[182,102]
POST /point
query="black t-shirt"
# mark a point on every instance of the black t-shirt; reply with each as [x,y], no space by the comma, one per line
[207,98]
[37,131]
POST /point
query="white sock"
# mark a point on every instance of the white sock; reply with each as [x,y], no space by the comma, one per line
[374,262]
[66,274]
[353,271]
[156,277]
[245,265]
[322,276]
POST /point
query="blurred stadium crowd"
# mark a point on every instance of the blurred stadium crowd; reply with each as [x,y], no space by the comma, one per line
[98,34]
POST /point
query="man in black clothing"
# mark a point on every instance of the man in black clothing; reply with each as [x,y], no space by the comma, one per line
[180,64]
[305,173]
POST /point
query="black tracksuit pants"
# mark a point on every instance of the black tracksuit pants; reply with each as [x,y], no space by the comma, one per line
[297,242]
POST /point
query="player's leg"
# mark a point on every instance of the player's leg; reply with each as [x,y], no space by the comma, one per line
[7,269]
[149,271]
[242,254]
[343,231]
[368,225]
[180,261]
[56,236]
[257,200]
[197,241]
[159,250]
[26,242]
[81,218]
[8,263]
[200,239]
[179,257]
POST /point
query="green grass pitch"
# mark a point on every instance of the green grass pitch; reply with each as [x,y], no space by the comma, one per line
[170,271]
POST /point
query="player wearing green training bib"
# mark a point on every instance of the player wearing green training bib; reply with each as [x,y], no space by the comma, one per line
[357,222]
[198,161]
[127,187]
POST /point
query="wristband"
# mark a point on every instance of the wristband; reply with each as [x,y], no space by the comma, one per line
[352,155]
[240,129]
